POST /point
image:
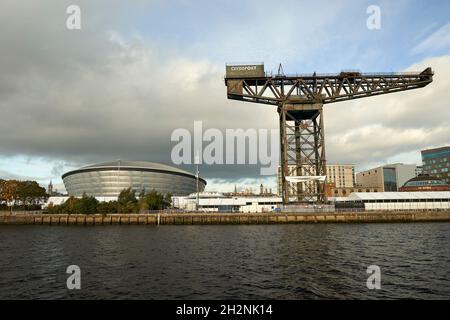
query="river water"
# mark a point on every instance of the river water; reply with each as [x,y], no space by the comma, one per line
[324,261]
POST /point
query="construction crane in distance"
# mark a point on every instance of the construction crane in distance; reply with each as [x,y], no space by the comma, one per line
[299,100]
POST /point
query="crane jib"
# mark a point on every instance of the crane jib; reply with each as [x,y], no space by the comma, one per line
[299,100]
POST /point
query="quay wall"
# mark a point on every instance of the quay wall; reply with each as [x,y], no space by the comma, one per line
[19,218]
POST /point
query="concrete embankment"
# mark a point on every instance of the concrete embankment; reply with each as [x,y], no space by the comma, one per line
[221,218]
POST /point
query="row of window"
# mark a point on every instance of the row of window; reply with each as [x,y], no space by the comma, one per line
[443,170]
[438,166]
[406,200]
[434,161]
[354,190]
[368,172]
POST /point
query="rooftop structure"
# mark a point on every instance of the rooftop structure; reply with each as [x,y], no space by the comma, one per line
[425,183]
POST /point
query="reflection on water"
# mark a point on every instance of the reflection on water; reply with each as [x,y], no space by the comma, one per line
[226,262]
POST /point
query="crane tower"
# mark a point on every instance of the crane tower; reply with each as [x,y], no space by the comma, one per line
[299,100]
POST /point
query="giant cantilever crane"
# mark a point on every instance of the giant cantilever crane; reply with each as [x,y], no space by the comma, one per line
[299,100]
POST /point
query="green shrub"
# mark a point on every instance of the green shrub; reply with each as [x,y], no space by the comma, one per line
[126,203]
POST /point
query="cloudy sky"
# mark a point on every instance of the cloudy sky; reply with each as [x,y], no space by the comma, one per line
[136,71]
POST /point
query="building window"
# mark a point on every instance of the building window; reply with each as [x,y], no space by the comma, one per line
[390,180]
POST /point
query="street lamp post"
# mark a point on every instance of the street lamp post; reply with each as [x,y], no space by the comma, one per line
[197,174]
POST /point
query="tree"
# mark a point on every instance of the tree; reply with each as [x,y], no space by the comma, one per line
[30,193]
[168,200]
[108,207]
[1,191]
[127,201]
[157,201]
[9,192]
[87,205]
[71,205]
[25,194]
[142,204]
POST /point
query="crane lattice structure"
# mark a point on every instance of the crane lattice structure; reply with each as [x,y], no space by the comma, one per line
[299,100]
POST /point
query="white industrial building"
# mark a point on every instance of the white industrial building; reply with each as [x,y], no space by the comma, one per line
[368,201]
[209,202]
[217,202]
[58,200]
[437,200]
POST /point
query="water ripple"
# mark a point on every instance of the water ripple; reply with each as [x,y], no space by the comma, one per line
[226,262]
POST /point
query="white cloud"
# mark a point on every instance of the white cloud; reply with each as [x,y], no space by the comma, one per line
[438,40]
[374,130]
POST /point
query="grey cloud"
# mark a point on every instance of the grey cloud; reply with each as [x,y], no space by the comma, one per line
[375,129]
[8,175]
[58,168]
[96,95]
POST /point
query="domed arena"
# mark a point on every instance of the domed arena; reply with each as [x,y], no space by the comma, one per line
[110,178]
[425,183]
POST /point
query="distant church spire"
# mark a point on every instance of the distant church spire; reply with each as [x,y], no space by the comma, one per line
[50,188]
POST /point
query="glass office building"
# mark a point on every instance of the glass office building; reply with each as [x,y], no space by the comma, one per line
[436,163]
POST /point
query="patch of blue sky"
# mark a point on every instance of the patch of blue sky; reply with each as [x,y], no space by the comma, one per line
[305,36]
